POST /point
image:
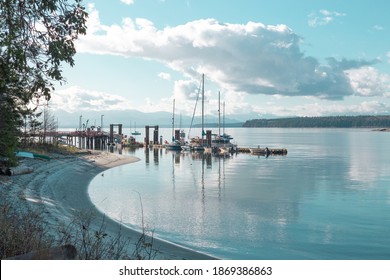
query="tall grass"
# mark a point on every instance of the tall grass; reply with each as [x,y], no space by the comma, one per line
[21,233]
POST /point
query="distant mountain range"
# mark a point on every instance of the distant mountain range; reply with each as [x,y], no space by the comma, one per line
[139,119]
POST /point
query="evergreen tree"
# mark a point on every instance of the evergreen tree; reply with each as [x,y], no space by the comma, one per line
[36,37]
[8,133]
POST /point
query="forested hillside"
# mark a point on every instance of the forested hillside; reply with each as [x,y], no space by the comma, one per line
[337,121]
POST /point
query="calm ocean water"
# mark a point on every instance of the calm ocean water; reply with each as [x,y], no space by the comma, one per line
[329,198]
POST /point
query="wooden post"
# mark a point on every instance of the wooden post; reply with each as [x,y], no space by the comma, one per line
[155,135]
[146,135]
[111,133]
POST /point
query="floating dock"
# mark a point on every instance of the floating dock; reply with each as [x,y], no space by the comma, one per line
[263,151]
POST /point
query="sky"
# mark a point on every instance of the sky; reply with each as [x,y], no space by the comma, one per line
[277,58]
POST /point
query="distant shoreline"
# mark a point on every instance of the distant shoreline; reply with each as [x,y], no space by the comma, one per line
[369,122]
[382,122]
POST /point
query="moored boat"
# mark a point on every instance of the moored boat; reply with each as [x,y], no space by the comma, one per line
[177,141]
[196,144]
[173,146]
[222,152]
[223,141]
[135,131]
[131,143]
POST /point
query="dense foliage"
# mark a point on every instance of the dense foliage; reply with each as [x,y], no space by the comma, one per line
[338,121]
[36,37]
[8,133]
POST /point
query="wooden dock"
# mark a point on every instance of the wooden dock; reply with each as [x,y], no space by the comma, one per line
[88,139]
[97,139]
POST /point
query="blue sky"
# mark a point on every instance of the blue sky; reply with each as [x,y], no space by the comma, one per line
[267,58]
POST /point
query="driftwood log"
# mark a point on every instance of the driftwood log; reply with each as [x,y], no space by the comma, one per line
[19,170]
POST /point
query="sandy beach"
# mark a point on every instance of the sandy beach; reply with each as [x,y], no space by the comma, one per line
[58,188]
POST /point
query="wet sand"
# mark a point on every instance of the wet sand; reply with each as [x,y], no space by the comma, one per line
[59,188]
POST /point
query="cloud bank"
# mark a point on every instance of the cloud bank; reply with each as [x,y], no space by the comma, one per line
[251,58]
[76,99]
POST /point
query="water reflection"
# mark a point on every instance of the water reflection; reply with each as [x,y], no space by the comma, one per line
[366,161]
[244,207]
[300,206]
[210,193]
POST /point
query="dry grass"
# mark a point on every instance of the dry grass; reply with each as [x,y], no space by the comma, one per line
[21,233]
[46,149]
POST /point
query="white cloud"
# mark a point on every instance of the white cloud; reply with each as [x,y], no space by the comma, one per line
[74,99]
[248,58]
[367,81]
[128,2]
[323,17]
[165,76]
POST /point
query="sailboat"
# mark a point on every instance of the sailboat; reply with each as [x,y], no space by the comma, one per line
[221,142]
[197,143]
[176,143]
[135,132]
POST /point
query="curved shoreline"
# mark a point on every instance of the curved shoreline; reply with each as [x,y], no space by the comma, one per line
[59,187]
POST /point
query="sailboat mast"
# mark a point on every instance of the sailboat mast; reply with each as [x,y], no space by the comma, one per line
[224,117]
[219,113]
[202,106]
[173,120]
